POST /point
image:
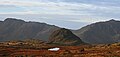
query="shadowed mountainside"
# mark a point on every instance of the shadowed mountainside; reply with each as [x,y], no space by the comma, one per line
[64,37]
[14,29]
[100,32]
[96,33]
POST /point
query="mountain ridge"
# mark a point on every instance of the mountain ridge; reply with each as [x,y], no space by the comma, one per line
[20,30]
[97,33]
[100,32]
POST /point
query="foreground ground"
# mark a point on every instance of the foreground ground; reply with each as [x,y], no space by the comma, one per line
[32,50]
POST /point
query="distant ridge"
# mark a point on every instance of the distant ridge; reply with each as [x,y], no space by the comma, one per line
[96,33]
[16,29]
[100,32]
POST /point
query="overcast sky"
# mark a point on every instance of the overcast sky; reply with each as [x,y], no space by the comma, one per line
[72,14]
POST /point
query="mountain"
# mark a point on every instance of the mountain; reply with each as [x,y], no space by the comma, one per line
[100,32]
[64,36]
[15,29]
[96,33]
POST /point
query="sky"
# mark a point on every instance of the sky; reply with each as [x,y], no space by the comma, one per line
[72,14]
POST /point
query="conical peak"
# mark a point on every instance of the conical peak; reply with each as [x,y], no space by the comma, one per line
[62,31]
[112,20]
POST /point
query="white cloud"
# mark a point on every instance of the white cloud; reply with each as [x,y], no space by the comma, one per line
[20,13]
[59,7]
[89,19]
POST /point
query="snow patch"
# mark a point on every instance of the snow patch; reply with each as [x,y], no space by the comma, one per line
[54,49]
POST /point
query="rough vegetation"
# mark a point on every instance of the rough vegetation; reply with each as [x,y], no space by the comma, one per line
[41,50]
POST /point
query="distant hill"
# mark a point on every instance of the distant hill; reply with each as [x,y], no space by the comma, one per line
[100,32]
[96,33]
[64,37]
[15,29]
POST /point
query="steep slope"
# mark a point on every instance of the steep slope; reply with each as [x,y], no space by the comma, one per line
[100,32]
[64,37]
[14,29]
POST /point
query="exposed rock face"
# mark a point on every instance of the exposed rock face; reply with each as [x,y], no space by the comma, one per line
[64,37]
[14,29]
[100,32]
